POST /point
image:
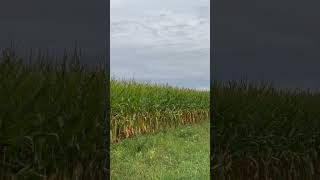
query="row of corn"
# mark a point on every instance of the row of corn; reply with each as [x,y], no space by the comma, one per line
[138,108]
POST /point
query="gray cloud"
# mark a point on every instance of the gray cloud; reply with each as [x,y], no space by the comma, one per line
[161,41]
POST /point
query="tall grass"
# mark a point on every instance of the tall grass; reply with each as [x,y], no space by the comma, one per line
[138,108]
[51,119]
[261,132]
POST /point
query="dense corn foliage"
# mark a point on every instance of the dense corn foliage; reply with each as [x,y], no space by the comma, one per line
[265,133]
[138,108]
[51,120]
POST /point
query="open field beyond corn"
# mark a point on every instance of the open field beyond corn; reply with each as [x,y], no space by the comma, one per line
[264,133]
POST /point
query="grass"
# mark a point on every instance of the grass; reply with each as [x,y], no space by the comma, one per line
[174,153]
[261,132]
[51,119]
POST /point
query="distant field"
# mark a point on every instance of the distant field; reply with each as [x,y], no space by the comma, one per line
[175,153]
[264,133]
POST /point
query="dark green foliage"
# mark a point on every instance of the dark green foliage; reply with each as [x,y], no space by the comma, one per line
[51,119]
[265,133]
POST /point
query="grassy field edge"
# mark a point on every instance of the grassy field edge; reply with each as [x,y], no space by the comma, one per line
[173,153]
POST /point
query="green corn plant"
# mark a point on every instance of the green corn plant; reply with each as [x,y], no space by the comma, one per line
[51,119]
[139,108]
[261,132]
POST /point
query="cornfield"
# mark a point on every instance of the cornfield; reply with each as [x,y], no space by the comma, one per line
[260,132]
[138,108]
[51,119]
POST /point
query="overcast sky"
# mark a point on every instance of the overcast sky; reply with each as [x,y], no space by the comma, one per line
[55,25]
[271,40]
[163,41]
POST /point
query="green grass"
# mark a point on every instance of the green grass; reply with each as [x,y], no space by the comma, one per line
[261,132]
[174,153]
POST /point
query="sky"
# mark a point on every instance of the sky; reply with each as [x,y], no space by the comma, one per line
[165,41]
[270,40]
[55,25]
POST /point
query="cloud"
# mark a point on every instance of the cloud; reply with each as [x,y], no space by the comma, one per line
[161,44]
[116,3]
[161,30]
